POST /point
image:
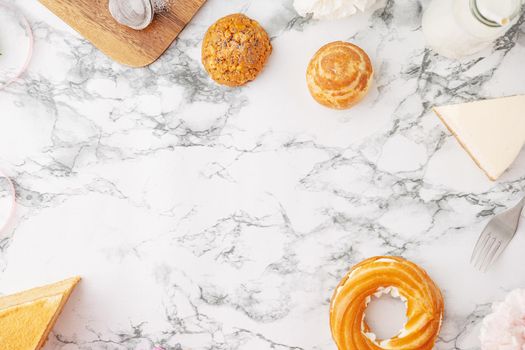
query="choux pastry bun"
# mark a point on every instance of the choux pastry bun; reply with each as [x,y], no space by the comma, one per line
[235,49]
[339,75]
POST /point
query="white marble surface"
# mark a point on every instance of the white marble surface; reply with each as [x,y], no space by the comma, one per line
[203,217]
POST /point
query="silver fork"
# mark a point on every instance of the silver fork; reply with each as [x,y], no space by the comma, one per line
[496,236]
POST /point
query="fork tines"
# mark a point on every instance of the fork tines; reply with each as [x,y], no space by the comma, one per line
[486,251]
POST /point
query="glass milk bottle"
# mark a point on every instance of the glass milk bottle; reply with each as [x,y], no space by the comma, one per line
[458,28]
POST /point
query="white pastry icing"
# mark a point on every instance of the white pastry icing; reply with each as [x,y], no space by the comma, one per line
[394,292]
[385,260]
[331,9]
[504,327]
[371,336]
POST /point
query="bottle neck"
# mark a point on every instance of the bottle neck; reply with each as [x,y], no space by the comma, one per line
[504,21]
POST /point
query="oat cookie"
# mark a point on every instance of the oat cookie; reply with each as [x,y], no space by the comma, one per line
[235,49]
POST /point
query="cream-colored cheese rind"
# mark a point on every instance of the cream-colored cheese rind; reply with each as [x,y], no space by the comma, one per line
[491,131]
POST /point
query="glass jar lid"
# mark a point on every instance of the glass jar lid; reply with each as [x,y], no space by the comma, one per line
[496,13]
[136,14]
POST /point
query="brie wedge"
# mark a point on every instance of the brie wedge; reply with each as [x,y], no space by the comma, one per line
[491,131]
[26,318]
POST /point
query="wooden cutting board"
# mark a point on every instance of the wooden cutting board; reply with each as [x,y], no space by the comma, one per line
[135,48]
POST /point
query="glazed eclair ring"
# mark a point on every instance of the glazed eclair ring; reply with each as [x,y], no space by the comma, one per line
[350,299]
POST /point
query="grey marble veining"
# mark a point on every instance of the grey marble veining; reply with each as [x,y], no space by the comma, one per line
[204,217]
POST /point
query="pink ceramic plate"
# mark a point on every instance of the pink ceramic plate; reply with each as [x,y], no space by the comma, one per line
[7,201]
[16,43]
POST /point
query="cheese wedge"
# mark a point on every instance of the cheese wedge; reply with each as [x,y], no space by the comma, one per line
[491,131]
[26,318]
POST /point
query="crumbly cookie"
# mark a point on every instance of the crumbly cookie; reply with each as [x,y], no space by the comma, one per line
[235,49]
[339,75]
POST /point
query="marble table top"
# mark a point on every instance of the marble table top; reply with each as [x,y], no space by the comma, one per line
[203,217]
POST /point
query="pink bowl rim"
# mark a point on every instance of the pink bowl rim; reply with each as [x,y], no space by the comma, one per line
[12,191]
[31,42]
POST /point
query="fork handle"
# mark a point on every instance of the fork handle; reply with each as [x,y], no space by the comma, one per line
[522,204]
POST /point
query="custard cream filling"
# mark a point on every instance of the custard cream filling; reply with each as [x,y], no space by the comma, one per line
[394,292]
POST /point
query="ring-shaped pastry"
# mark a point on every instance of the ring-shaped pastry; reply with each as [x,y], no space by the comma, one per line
[350,299]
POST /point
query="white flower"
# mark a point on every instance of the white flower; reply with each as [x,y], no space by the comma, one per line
[504,328]
[331,9]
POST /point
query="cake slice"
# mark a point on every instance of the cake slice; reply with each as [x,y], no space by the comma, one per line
[26,318]
[491,131]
